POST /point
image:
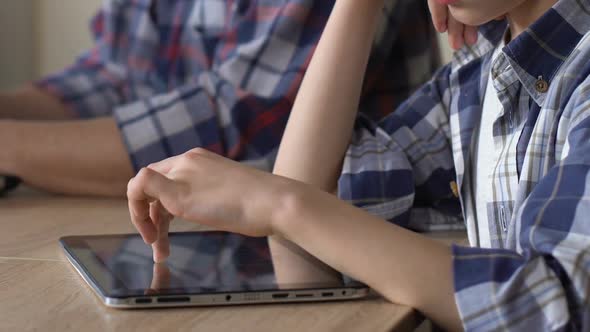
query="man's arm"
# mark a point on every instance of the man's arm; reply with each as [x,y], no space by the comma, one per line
[69,157]
[32,103]
[47,149]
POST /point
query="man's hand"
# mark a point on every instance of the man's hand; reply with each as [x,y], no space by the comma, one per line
[205,188]
[459,33]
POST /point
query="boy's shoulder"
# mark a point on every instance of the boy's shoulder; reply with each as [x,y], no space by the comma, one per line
[572,82]
[576,67]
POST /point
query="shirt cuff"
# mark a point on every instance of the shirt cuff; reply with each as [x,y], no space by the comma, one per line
[497,289]
[166,125]
[88,91]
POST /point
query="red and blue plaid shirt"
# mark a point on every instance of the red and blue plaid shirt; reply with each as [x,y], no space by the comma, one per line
[223,74]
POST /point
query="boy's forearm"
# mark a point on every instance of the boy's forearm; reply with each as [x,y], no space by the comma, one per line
[68,157]
[321,121]
[292,265]
[31,103]
[403,266]
[322,118]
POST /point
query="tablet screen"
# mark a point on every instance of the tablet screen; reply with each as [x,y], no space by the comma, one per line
[199,262]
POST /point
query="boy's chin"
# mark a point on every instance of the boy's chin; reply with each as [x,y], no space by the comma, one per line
[472,17]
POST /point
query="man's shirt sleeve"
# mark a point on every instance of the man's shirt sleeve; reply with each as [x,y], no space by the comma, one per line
[93,85]
[402,168]
[209,113]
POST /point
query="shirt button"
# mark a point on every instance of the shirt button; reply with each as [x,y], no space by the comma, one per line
[454,188]
[541,85]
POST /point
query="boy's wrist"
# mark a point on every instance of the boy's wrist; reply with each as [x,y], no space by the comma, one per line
[289,204]
[298,205]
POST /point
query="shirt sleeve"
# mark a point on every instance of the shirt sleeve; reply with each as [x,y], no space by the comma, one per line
[209,113]
[544,284]
[402,169]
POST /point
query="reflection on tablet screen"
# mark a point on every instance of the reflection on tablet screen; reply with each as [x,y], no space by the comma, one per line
[198,262]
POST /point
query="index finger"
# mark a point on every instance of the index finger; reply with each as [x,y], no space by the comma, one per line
[148,186]
[139,206]
[161,248]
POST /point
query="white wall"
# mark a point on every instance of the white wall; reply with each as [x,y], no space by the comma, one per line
[17,40]
[63,31]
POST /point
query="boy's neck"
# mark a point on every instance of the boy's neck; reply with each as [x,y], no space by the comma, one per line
[521,17]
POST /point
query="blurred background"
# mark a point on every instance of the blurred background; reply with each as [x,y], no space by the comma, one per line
[41,36]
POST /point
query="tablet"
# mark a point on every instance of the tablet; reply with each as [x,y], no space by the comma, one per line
[204,268]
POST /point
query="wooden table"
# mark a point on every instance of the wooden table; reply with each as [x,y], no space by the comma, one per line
[39,290]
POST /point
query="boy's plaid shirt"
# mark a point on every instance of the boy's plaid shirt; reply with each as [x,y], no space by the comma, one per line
[223,74]
[532,271]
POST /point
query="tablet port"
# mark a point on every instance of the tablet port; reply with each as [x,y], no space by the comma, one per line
[280,295]
[143,301]
[174,299]
[228,298]
[327,294]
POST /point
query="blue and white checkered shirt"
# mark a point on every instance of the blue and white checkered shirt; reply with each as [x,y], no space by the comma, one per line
[414,168]
[223,75]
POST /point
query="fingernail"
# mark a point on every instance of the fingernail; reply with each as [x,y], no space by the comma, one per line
[458,43]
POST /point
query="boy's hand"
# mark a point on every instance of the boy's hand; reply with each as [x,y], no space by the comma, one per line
[204,188]
[459,33]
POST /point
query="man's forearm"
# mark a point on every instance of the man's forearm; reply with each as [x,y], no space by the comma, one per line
[403,266]
[69,157]
[31,103]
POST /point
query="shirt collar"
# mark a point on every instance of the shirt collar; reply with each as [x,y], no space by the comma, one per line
[536,54]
